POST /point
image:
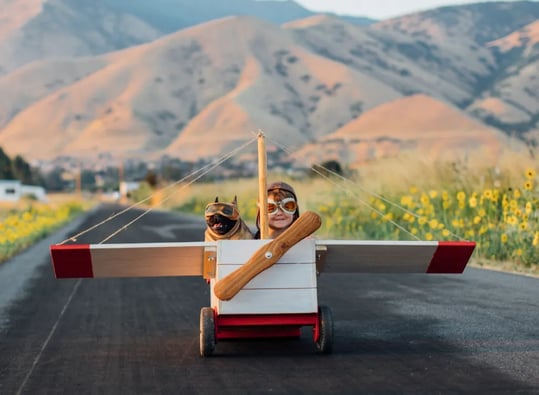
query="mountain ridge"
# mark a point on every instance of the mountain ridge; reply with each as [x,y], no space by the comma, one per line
[201,90]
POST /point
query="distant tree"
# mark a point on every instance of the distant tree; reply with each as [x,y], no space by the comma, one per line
[172,172]
[151,179]
[329,168]
[22,170]
[6,171]
[53,181]
[87,179]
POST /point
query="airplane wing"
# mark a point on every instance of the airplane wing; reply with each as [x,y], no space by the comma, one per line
[359,256]
[198,258]
[130,260]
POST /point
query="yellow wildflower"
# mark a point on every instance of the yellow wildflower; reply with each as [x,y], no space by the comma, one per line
[512,220]
[406,201]
[388,217]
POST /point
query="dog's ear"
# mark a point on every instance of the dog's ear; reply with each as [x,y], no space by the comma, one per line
[235,202]
[216,199]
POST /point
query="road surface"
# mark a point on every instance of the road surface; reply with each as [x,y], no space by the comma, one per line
[394,334]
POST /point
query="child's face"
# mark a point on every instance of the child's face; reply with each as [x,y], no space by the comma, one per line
[284,207]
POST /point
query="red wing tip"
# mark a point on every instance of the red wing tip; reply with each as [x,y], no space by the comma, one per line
[71,261]
[451,256]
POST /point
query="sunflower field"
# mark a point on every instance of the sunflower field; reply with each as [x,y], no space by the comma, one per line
[20,228]
[500,214]
[502,220]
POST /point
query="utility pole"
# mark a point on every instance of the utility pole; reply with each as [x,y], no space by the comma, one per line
[78,181]
[121,188]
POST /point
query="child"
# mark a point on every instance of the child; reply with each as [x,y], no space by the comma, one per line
[283,209]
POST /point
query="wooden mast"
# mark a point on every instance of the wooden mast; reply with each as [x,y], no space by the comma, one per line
[262,186]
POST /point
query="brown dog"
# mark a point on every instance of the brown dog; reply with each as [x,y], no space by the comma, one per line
[223,222]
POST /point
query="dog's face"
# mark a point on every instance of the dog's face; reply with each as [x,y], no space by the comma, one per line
[222,217]
[220,224]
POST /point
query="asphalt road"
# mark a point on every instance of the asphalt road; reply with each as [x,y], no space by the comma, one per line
[394,334]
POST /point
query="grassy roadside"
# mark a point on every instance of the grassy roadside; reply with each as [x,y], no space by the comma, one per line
[505,266]
[27,221]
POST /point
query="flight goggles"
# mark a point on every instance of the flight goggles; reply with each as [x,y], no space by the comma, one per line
[288,205]
[225,209]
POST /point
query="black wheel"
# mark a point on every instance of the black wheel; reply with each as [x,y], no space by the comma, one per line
[207,332]
[324,345]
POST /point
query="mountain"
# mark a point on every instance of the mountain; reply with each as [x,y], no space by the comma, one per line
[409,65]
[38,29]
[418,125]
[201,91]
[490,48]
[178,92]
[512,101]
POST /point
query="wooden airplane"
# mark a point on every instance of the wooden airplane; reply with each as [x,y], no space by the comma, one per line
[262,288]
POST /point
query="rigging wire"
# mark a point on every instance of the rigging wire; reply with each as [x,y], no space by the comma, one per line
[344,180]
[167,197]
[201,172]
[337,180]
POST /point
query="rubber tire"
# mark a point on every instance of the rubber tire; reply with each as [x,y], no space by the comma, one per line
[207,332]
[324,345]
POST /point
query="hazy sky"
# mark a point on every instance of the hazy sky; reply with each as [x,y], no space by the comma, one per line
[377,9]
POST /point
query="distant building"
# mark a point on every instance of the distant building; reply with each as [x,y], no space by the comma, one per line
[14,190]
[127,186]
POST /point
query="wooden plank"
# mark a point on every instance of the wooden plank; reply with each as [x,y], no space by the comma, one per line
[353,256]
[129,260]
[148,260]
[269,301]
[280,275]
[233,252]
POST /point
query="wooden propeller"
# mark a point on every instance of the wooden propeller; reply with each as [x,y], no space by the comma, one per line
[267,255]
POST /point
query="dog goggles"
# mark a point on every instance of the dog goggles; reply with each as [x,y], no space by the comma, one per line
[224,209]
[288,205]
